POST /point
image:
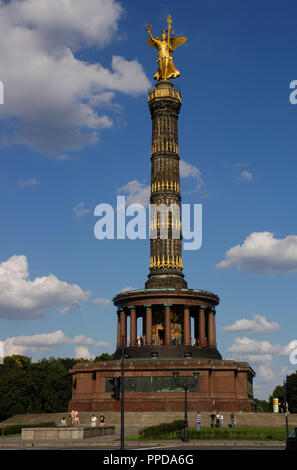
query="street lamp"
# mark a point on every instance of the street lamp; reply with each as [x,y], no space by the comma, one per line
[286,407]
[186,383]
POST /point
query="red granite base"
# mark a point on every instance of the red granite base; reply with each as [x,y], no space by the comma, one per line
[223,385]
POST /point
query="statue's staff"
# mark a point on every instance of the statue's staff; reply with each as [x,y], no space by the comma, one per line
[169,21]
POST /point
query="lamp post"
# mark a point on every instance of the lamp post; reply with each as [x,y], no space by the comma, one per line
[186,383]
[122,397]
[286,408]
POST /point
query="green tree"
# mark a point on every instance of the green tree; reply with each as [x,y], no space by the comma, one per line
[291,385]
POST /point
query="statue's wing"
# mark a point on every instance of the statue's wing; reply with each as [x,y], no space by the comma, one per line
[175,42]
[151,43]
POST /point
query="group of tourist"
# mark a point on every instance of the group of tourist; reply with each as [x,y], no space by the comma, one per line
[216,420]
[73,418]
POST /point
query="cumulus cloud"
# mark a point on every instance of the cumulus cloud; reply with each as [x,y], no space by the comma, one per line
[262,253]
[188,170]
[81,352]
[74,307]
[22,298]
[136,193]
[259,324]
[102,302]
[45,342]
[52,98]
[251,346]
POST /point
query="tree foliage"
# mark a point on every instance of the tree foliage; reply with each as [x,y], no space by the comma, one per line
[41,387]
[291,393]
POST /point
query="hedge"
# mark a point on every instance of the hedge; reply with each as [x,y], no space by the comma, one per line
[164,430]
[174,430]
[12,429]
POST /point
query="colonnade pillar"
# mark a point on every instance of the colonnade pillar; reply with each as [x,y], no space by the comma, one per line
[202,326]
[167,324]
[148,324]
[187,326]
[133,326]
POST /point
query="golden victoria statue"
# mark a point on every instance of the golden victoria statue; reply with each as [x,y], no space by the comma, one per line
[165,47]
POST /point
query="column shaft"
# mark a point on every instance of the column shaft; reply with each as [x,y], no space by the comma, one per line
[133,327]
[148,322]
[210,329]
[167,321]
[187,327]
[201,327]
[118,331]
[123,327]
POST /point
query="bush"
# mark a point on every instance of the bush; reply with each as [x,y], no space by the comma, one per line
[174,431]
[11,429]
[164,430]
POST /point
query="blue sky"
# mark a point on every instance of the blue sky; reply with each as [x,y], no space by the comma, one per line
[75,129]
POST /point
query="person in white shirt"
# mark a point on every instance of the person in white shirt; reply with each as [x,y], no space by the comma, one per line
[94,421]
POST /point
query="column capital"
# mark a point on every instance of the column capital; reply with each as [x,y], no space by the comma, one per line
[167,305]
[202,307]
[131,307]
[213,310]
[148,305]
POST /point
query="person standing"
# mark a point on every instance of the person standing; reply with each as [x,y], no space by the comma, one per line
[76,417]
[198,421]
[218,420]
[221,420]
[93,421]
[212,419]
[232,420]
[102,420]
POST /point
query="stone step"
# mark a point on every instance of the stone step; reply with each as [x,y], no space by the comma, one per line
[140,420]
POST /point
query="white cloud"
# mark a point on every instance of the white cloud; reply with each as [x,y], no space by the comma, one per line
[80,209]
[52,98]
[245,176]
[74,307]
[262,253]
[36,344]
[259,324]
[266,374]
[81,352]
[102,302]
[136,193]
[30,182]
[251,346]
[22,298]
[259,358]
[188,170]
[127,289]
